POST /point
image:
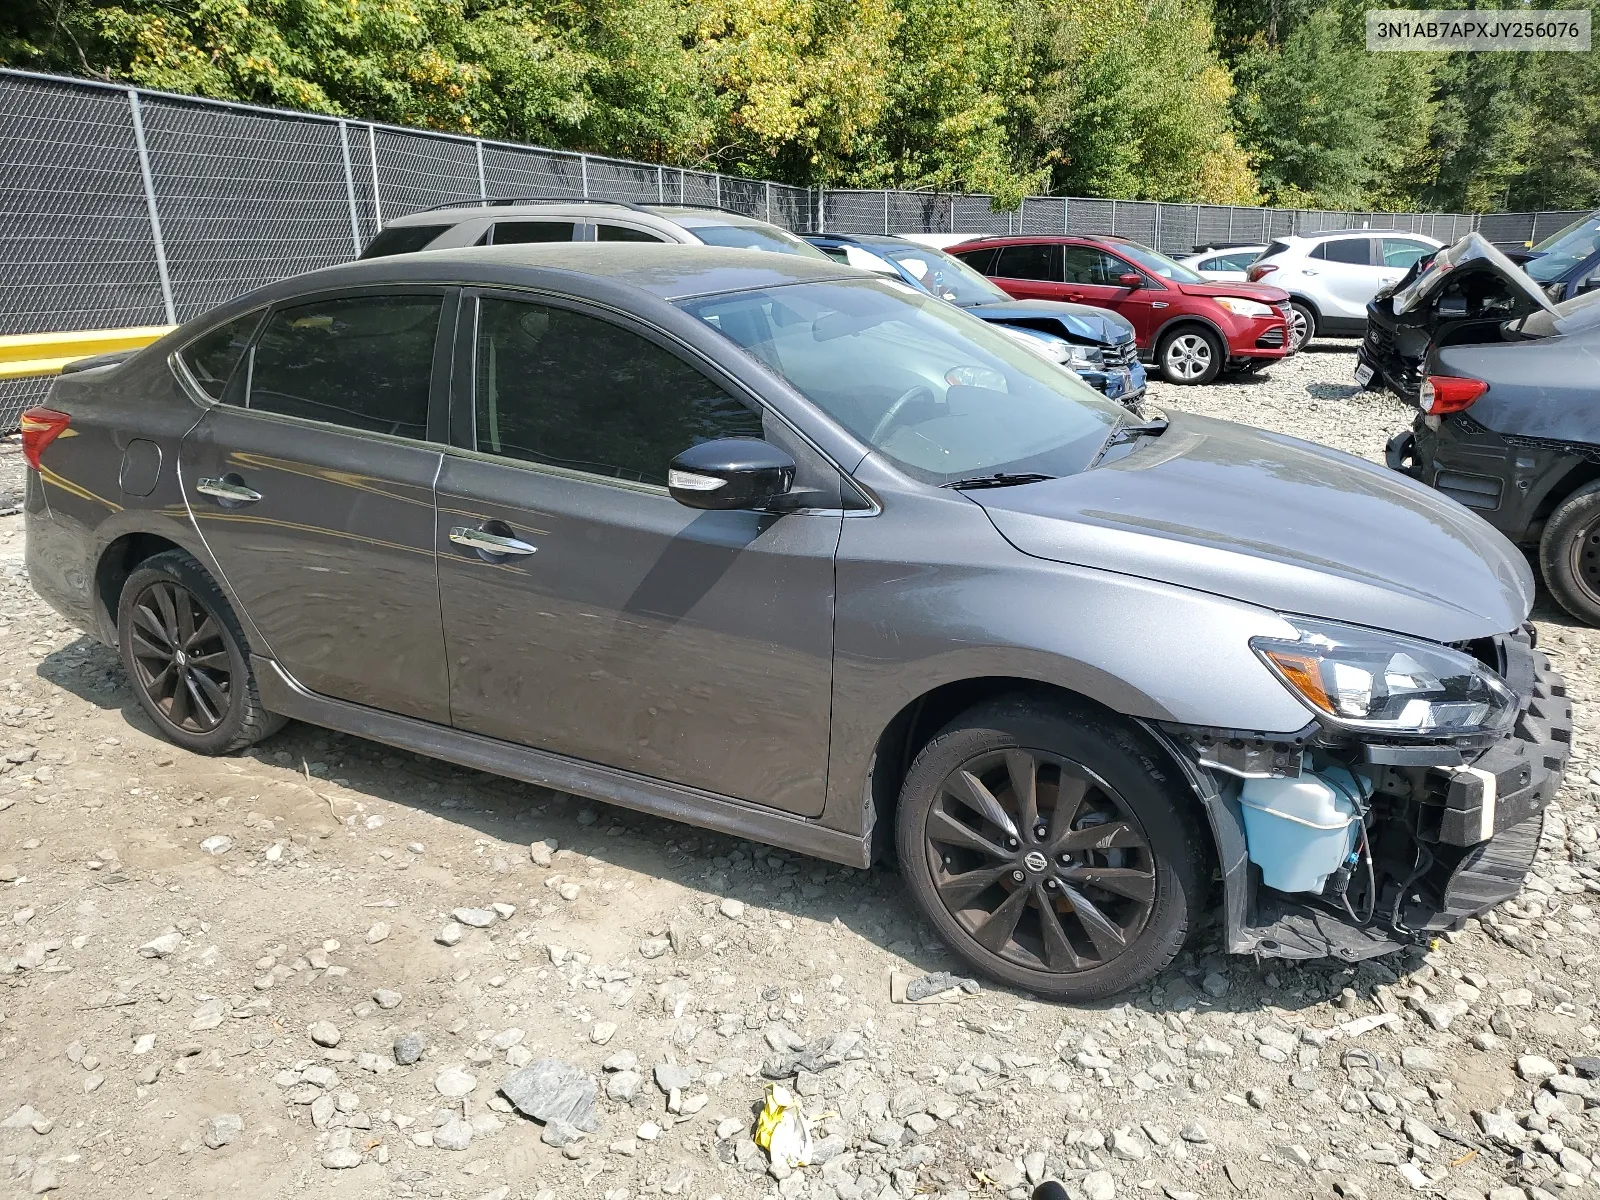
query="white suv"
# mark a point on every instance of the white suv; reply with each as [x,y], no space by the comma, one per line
[1331,276]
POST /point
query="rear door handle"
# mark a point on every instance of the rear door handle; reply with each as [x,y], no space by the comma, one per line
[489,543]
[227,489]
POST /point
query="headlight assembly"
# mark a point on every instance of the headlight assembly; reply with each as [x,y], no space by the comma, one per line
[1244,308]
[1384,683]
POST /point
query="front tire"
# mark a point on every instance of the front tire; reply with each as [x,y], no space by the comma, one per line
[1569,554]
[1302,325]
[188,659]
[1190,355]
[1051,849]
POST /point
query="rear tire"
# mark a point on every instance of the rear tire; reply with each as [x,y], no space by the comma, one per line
[1052,849]
[1302,325]
[1569,554]
[188,659]
[1191,354]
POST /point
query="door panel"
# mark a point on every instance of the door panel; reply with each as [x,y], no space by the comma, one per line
[320,518]
[689,646]
[1094,277]
[1349,278]
[335,562]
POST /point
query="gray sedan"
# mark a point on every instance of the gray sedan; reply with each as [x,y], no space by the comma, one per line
[797,554]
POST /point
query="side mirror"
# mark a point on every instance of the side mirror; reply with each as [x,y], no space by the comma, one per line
[730,473]
[1131,280]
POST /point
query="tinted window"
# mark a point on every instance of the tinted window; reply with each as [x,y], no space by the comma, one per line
[364,363]
[979,260]
[753,237]
[402,239]
[1206,264]
[1239,261]
[621,233]
[1402,252]
[568,390]
[1273,248]
[1085,264]
[1346,250]
[1039,261]
[516,233]
[211,357]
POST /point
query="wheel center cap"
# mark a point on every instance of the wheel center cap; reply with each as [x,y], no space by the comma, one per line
[180,659]
[1035,861]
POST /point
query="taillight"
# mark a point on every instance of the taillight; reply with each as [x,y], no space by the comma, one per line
[1259,271]
[1442,394]
[40,427]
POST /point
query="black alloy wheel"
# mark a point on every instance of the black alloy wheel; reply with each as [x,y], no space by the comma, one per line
[180,660]
[1054,847]
[188,658]
[1040,860]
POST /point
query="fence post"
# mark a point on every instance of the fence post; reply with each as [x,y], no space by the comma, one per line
[661,185]
[1113,216]
[1066,218]
[718,178]
[1158,227]
[350,186]
[822,209]
[1197,228]
[372,158]
[769,202]
[150,207]
[583,166]
[886,210]
[483,186]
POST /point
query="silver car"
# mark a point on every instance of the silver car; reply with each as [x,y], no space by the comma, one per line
[798,554]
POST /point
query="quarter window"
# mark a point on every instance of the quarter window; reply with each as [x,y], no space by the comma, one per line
[363,362]
[1041,261]
[564,389]
[981,261]
[211,357]
[402,239]
[622,233]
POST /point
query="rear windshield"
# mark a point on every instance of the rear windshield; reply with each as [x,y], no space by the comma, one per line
[936,391]
[1274,248]
[402,239]
[754,237]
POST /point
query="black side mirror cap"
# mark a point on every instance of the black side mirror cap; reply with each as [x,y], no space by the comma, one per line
[730,473]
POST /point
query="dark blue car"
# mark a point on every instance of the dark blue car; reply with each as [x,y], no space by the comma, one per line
[1094,343]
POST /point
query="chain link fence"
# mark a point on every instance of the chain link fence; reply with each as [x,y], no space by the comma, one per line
[123,207]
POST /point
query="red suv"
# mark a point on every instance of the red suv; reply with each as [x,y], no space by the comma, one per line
[1190,327]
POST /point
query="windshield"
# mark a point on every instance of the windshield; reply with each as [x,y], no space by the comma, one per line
[945,276]
[1157,264]
[1562,251]
[937,392]
[1570,316]
[754,237]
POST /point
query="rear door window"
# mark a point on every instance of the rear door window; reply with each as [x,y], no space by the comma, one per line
[212,357]
[1354,251]
[1041,261]
[363,362]
[517,233]
[565,389]
[402,239]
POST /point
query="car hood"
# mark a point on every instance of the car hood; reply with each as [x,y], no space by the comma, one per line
[1249,291]
[1277,522]
[1473,254]
[1082,320]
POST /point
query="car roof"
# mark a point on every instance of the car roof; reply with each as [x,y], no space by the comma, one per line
[1326,233]
[686,215]
[861,239]
[663,271]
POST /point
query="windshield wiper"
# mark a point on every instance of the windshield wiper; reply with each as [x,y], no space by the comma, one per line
[1131,432]
[998,480]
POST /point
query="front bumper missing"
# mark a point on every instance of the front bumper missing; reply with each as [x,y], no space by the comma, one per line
[1471,820]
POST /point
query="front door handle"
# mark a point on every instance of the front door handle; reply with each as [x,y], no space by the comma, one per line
[227,489]
[489,543]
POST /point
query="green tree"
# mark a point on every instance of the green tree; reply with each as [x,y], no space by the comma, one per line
[1133,102]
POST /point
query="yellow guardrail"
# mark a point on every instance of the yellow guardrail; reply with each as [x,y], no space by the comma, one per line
[25,354]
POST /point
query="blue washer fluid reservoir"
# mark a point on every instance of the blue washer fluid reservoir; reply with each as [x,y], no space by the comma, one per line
[1299,831]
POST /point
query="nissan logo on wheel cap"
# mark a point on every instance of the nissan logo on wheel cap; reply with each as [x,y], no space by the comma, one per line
[1035,861]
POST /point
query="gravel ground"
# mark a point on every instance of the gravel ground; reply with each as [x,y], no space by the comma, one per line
[11,470]
[311,969]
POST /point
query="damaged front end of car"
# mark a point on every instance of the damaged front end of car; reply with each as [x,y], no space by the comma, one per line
[1413,800]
